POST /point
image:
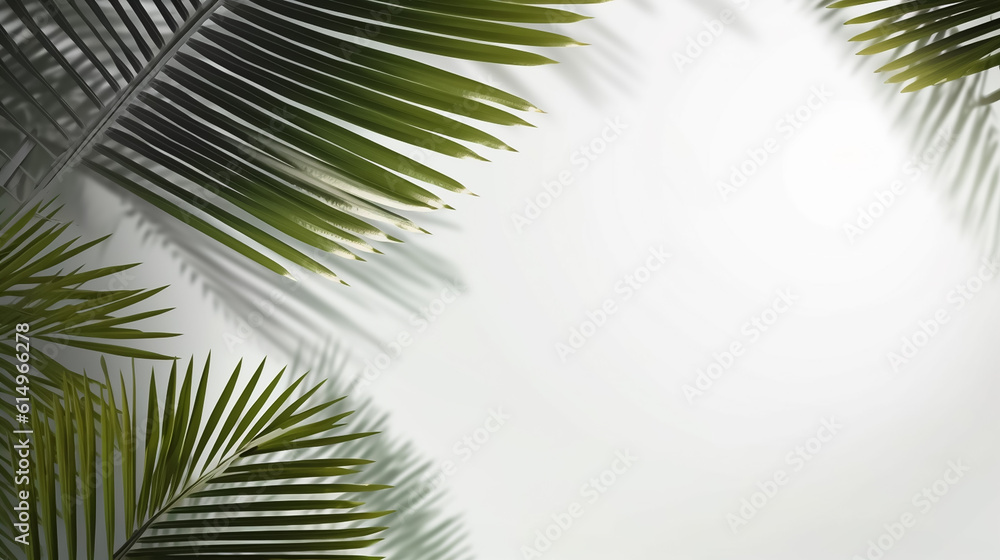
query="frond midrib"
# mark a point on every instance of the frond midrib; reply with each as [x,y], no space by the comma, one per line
[122,552]
[124,98]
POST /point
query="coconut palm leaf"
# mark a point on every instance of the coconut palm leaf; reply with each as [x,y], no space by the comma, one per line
[64,305]
[954,121]
[275,128]
[207,478]
[932,42]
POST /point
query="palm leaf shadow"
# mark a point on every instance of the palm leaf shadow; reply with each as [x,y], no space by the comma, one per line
[389,285]
[950,126]
[601,72]
[421,528]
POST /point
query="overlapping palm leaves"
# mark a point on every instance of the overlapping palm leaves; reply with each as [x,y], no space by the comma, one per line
[108,485]
[201,477]
[277,128]
[932,42]
[948,45]
[66,305]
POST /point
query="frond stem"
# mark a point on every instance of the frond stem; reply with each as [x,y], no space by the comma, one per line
[125,97]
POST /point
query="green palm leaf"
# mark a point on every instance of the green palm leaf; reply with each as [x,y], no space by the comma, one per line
[199,478]
[65,305]
[276,128]
[49,306]
[954,120]
[932,42]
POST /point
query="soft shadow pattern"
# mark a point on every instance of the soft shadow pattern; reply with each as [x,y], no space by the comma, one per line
[286,312]
[599,72]
[952,129]
[609,66]
[421,528]
[51,304]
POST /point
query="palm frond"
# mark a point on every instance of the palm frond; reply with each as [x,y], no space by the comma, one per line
[931,42]
[955,121]
[63,305]
[200,477]
[276,128]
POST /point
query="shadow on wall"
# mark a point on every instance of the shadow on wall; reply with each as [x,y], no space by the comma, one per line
[952,128]
[286,311]
[420,528]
